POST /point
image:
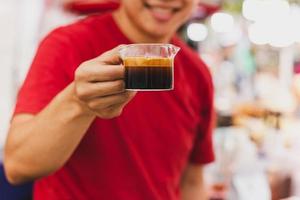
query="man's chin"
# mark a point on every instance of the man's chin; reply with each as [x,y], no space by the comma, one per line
[157,31]
[159,35]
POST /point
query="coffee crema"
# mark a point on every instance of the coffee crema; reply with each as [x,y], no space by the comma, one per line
[148,73]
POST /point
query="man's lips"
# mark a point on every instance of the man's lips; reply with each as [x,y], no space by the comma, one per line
[161,12]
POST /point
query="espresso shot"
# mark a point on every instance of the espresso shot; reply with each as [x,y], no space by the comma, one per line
[148,73]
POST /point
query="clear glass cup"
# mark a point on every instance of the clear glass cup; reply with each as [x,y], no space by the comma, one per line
[149,66]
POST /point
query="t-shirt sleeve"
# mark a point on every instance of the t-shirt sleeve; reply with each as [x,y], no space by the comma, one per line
[202,152]
[48,74]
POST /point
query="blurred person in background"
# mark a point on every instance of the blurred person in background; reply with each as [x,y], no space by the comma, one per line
[80,135]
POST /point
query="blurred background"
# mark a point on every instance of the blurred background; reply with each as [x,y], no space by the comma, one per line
[252,48]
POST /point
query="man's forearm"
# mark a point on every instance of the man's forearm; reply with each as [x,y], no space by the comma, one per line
[39,145]
[192,184]
[193,192]
[43,143]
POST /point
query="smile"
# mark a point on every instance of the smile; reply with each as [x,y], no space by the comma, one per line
[160,12]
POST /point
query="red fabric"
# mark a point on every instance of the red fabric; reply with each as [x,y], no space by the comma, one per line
[97,6]
[86,7]
[142,153]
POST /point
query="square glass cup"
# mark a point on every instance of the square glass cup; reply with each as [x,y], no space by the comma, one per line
[149,66]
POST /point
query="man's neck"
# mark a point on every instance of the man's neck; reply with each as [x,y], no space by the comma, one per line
[133,33]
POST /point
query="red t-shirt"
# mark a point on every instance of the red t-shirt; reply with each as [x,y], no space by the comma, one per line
[141,154]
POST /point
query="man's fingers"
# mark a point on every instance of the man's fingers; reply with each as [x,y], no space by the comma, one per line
[106,67]
[94,72]
[99,83]
[131,94]
[87,91]
[114,110]
[111,57]
[107,101]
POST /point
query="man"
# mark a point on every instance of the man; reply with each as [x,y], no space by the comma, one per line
[80,135]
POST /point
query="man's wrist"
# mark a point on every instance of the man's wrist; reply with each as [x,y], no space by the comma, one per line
[75,104]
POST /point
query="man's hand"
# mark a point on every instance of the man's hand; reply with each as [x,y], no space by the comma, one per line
[100,86]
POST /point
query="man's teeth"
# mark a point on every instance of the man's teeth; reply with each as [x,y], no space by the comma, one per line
[160,9]
[163,11]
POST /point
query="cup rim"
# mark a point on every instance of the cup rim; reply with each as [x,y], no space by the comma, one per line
[148,44]
[168,45]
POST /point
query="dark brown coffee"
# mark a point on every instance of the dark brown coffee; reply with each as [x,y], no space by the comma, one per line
[148,73]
